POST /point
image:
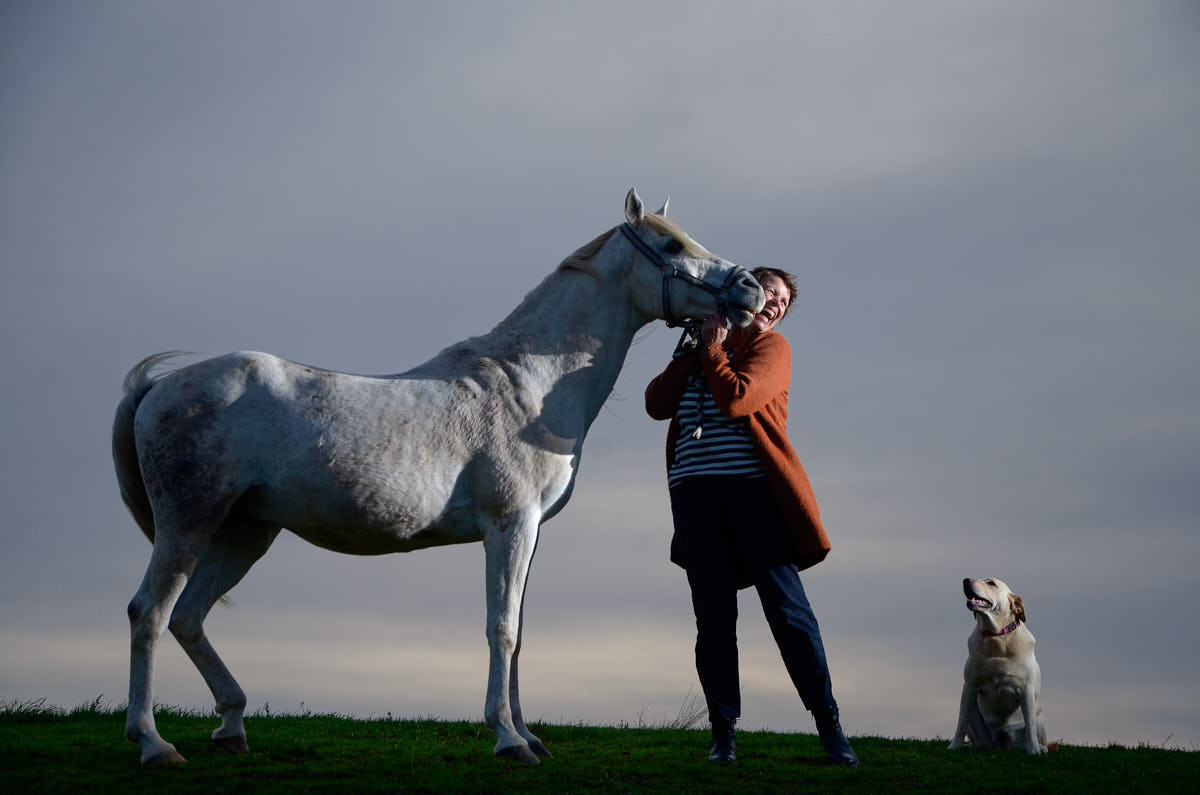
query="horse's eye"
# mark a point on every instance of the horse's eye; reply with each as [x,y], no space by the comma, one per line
[673,246]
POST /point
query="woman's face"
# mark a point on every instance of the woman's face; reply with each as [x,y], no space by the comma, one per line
[778,300]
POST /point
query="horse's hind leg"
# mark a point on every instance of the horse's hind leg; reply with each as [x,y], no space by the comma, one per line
[171,563]
[230,554]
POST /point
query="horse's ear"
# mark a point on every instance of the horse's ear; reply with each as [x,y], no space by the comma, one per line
[635,211]
[663,211]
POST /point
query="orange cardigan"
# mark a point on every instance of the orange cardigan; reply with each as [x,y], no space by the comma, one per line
[752,382]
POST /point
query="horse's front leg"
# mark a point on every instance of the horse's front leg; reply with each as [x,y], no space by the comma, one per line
[514,697]
[508,543]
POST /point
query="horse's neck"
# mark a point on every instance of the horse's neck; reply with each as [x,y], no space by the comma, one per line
[565,345]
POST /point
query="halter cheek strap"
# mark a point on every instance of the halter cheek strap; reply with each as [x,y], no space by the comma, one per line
[670,273]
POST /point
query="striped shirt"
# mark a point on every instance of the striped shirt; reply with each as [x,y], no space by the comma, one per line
[709,442]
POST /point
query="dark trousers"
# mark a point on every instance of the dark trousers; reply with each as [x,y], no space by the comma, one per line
[731,534]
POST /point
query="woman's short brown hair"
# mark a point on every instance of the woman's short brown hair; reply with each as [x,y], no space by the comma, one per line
[783,276]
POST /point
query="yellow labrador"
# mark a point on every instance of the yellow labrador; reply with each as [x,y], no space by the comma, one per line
[1001,680]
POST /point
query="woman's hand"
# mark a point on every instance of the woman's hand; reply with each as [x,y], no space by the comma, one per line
[713,330]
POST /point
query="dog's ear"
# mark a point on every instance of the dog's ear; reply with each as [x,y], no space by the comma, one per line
[1018,606]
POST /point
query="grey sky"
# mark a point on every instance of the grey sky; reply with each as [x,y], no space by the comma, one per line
[991,208]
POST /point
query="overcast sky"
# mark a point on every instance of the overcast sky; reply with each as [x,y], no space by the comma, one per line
[991,208]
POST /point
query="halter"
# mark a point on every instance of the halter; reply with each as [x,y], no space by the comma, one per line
[670,273]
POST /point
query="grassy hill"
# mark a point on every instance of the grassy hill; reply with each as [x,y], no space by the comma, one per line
[44,749]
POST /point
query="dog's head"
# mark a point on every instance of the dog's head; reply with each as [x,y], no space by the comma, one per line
[994,599]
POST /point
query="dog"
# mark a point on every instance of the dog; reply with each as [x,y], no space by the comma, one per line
[1001,680]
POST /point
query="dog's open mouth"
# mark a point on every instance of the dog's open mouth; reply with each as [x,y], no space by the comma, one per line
[974,600]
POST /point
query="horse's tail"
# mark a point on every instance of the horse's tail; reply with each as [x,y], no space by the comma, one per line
[124,447]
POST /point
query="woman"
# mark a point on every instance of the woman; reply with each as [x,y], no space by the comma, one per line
[743,509]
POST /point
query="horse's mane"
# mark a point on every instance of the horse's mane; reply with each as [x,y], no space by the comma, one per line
[581,259]
[578,262]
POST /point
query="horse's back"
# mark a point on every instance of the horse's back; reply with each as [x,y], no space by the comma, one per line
[349,462]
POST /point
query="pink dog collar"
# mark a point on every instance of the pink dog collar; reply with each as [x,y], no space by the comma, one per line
[1010,628]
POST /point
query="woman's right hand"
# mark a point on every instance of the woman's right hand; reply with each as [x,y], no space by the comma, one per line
[713,331]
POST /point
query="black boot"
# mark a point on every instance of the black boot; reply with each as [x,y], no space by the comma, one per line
[829,729]
[724,749]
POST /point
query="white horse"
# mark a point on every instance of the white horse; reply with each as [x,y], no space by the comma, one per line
[481,442]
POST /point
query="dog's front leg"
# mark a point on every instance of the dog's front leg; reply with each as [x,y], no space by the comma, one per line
[964,713]
[1029,712]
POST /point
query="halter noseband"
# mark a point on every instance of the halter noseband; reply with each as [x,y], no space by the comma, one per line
[670,273]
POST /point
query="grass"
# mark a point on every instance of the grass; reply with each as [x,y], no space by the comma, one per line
[46,749]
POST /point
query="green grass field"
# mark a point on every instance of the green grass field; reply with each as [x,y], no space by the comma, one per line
[44,749]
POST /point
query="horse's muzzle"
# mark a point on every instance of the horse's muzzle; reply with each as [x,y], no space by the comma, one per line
[742,299]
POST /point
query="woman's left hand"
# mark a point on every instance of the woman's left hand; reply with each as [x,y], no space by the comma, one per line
[713,330]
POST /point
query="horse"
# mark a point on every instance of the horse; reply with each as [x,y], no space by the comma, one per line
[480,443]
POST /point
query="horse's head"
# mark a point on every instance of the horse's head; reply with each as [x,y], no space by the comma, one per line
[686,282]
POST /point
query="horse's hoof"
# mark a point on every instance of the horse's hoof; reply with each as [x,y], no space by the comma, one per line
[234,745]
[518,753]
[171,757]
[539,749]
